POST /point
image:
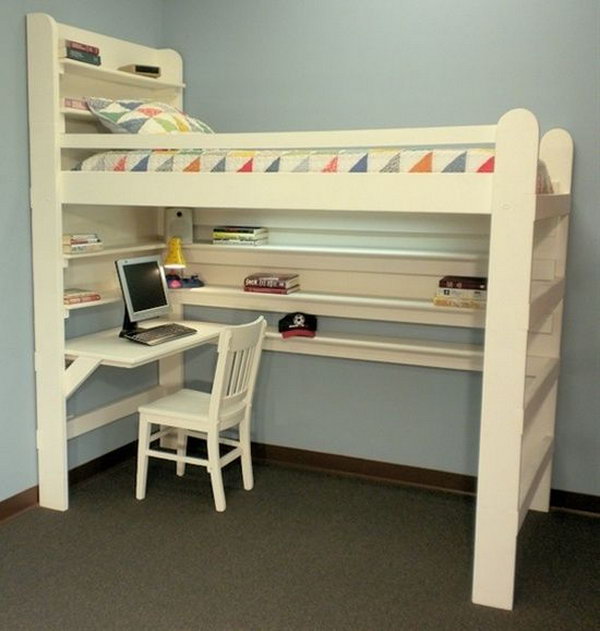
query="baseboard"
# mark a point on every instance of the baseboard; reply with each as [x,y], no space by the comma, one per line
[315,461]
[18,503]
[358,467]
[106,461]
[30,498]
[402,474]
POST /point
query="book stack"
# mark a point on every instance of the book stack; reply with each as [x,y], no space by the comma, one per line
[465,292]
[240,235]
[82,52]
[75,296]
[272,283]
[81,243]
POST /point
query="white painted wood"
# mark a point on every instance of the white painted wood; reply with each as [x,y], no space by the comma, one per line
[111,350]
[116,252]
[534,467]
[544,299]
[228,406]
[77,372]
[544,378]
[381,349]
[556,150]
[101,73]
[553,205]
[505,357]
[84,423]
[384,192]
[348,306]
[46,227]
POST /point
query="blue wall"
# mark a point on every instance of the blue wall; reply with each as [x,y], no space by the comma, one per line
[274,65]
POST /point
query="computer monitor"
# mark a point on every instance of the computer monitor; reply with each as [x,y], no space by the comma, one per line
[144,289]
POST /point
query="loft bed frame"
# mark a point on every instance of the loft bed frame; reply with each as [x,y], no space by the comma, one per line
[366,225]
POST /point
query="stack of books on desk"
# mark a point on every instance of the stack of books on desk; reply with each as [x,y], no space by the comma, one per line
[80,243]
[266,283]
[240,235]
[82,52]
[75,296]
[465,292]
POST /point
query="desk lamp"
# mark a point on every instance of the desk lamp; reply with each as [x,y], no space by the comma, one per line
[174,264]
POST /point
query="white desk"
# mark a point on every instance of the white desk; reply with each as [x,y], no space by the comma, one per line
[106,348]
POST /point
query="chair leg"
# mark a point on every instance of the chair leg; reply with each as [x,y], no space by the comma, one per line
[181,451]
[142,458]
[246,458]
[214,468]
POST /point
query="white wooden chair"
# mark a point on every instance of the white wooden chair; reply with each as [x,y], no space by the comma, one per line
[202,415]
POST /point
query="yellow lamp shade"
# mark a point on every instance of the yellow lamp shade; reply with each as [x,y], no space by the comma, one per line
[174,258]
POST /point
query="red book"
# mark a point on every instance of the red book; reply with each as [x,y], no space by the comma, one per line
[272,290]
[84,48]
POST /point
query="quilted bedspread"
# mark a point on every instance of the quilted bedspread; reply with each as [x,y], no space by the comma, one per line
[306,161]
[269,161]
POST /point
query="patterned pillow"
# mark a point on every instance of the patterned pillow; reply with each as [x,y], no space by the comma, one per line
[126,116]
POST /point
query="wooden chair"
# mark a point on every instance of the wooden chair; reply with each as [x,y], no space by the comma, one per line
[202,415]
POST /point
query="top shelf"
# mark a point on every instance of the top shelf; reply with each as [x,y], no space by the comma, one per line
[99,73]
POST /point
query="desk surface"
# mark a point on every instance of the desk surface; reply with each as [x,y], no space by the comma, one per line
[112,350]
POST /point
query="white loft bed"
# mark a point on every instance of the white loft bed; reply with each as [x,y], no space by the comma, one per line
[325,227]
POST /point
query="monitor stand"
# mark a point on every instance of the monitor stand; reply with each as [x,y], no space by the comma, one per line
[129,327]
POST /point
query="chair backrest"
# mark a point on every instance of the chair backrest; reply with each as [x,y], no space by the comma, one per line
[239,351]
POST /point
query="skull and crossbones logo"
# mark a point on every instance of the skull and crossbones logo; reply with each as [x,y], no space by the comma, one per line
[299,321]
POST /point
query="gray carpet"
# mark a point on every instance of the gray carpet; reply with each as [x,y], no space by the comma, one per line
[302,551]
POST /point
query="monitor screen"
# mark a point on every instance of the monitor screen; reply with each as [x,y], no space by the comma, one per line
[144,287]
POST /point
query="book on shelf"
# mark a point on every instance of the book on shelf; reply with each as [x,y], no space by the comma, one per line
[81,248]
[461,303]
[85,57]
[141,69]
[279,281]
[76,295]
[72,103]
[84,48]
[453,292]
[272,290]
[250,230]
[80,237]
[234,242]
[463,282]
[81,242]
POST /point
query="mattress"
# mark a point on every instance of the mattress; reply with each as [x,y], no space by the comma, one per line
[388,160]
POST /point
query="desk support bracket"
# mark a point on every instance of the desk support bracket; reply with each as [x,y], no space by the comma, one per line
[78,372]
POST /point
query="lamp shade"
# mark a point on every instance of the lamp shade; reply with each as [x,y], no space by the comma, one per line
[174,258]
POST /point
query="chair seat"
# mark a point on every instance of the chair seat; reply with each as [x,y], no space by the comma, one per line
[185,404]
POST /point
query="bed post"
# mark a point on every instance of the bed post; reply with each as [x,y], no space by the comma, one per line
[505,358]
[46,228]
[556,151]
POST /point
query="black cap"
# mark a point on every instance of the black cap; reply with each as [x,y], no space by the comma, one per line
[302,324]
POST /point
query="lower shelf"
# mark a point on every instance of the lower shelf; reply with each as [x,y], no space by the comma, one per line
[381,349]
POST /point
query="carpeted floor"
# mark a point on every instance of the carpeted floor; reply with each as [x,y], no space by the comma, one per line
[302,551]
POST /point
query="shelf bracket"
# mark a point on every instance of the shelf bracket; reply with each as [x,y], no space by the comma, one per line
[78,372]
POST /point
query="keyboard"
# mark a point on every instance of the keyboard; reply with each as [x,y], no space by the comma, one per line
[160,334]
